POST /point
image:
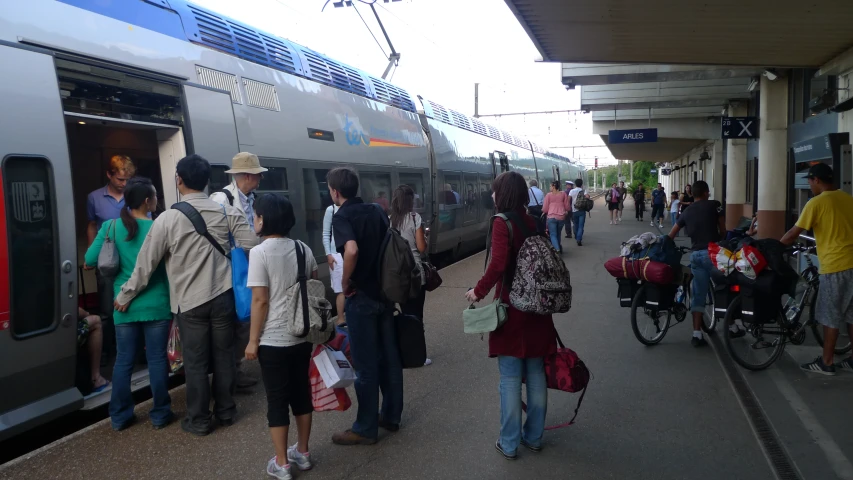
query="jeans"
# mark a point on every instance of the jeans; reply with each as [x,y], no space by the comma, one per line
[639,210]
[674,217]
[376,359]
[512,371]
[555,226]
[207,334]
[156,334]
[701,267]
[578,220]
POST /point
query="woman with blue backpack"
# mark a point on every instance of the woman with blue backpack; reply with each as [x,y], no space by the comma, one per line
[525,339]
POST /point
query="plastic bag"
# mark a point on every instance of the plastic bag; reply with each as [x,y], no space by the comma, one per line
[750,261]
[722,258]
[325,399]
[174,349]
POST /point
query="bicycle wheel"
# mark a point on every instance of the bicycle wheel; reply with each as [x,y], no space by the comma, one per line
[649,326]
[762,344]
[843,345]
[709,320]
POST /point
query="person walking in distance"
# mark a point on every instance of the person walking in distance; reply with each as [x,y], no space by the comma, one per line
[658,205]
[612,198]
[640,201]
[147,318]
[359,230]
[569,186]
[830,215]
[673,208]
[246,174]
[578,216]
[705,223]
[525,339]
[686,200]
[410,225]
[623,192]
[335,261]
[556,204]
[200,293]
[102,205]
[284,359]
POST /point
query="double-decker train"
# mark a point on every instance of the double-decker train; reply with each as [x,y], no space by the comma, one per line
[83,80]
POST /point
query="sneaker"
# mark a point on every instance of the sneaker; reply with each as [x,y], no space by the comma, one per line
[302,460]
[531,447]
[611,222]
[428,362]
[651,224]
[351,438]
[580,244]
[845,365]
[698,342]
[278,471]
[502,452]
[660,225]
[817,366]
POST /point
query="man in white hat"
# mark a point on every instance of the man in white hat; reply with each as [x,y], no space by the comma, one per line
[569,186]
[246,174]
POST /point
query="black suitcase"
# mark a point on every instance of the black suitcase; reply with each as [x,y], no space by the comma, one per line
[411,341]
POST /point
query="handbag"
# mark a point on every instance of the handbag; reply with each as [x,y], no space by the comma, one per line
[108,259]
[307,313]
[432,278]
[565,371]
[239,260]
[492,316]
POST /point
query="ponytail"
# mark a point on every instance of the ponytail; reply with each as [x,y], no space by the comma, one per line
[136,193]
[129,223]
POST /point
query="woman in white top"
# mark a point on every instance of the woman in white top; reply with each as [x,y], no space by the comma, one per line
[410,225]
[284,358]
[336,261]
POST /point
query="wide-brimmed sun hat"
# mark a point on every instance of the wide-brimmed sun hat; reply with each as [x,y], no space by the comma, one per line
[245,162]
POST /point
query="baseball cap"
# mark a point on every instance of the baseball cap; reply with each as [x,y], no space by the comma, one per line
[820,171]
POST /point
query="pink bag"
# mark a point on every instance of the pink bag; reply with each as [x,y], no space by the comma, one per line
[174,350]
[325,399]
[565,371]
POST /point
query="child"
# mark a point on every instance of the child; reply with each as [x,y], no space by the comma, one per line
[673,208]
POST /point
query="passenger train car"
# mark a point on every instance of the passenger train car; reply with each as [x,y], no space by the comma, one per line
[83,80]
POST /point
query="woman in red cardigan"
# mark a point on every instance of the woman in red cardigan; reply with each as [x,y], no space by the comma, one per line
[526,338]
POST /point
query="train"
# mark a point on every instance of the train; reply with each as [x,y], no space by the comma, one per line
[83,80]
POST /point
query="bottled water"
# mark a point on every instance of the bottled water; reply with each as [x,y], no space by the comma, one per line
[792,312]
[679,296]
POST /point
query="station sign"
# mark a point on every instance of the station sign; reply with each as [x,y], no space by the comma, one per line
[666,171]
[653,171]
[636,135]
[739,127]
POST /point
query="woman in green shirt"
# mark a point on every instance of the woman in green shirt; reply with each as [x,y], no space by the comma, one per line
[149,314]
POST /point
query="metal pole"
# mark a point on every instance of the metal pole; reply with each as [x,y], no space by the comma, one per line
[632,173]
[476,100]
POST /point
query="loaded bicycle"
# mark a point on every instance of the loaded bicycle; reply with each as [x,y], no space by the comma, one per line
[654,306]
[770,328]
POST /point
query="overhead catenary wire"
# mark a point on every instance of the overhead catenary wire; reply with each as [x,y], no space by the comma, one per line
[369,30]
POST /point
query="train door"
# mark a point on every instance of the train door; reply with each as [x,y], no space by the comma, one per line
[212,131]
[38,294]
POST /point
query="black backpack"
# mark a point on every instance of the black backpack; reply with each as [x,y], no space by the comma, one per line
[229,196]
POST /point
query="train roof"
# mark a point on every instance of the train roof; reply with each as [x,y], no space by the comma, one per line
[205,27]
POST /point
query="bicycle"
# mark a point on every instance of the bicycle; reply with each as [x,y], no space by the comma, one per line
[651,319]
[765,341]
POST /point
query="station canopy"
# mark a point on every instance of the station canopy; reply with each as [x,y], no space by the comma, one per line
[772,33]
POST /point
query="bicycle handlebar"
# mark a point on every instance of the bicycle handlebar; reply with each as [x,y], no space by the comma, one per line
[798,248]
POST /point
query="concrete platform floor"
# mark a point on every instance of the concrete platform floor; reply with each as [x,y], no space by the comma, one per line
[666,412]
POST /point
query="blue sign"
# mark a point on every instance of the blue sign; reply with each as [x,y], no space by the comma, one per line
[637,135]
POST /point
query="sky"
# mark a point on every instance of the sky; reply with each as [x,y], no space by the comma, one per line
[446,47]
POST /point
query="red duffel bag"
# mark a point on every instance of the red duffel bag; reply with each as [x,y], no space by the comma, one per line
[646,270]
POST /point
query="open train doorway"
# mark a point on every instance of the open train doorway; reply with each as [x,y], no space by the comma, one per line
[112,114]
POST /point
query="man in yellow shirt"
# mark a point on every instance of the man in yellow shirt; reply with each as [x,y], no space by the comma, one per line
[830,215]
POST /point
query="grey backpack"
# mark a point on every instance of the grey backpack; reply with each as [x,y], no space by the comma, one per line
[399,276]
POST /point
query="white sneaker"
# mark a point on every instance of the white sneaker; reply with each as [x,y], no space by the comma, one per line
[428,362]
[651,224]
[275,471]
[302,460]
[611,222]
[660,226]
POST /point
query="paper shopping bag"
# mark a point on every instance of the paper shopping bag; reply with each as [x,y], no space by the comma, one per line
[334,368]
[326,399]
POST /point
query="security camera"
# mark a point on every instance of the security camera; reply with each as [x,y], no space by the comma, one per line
[771,75]
[753,85]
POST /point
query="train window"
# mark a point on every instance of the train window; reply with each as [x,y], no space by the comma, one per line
[449,200]
[470,197]
[317,199]
[487,205]
[31,220]
[416,181]
[504,163]
[376,188]
[275,180]
[218,178]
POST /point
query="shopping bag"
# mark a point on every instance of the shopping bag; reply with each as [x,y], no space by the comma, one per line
[750,262]
[174,350]
[334,368]
[722,258]
[325,399]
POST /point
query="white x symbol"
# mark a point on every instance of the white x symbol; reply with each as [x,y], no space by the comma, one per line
[745,128]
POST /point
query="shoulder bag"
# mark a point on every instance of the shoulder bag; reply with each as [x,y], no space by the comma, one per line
[479,320]
[307,312]
[109,262]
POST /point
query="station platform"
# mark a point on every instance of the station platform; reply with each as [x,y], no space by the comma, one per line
[663,412]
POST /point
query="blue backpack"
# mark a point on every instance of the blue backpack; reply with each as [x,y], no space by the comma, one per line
[663,250]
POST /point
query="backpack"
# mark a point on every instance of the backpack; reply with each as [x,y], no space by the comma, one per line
[399,276]
[565,371]
[583,204]
[307,312]
[541,284]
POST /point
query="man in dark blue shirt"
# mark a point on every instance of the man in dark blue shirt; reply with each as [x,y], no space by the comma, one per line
[658,205]
[359,229]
